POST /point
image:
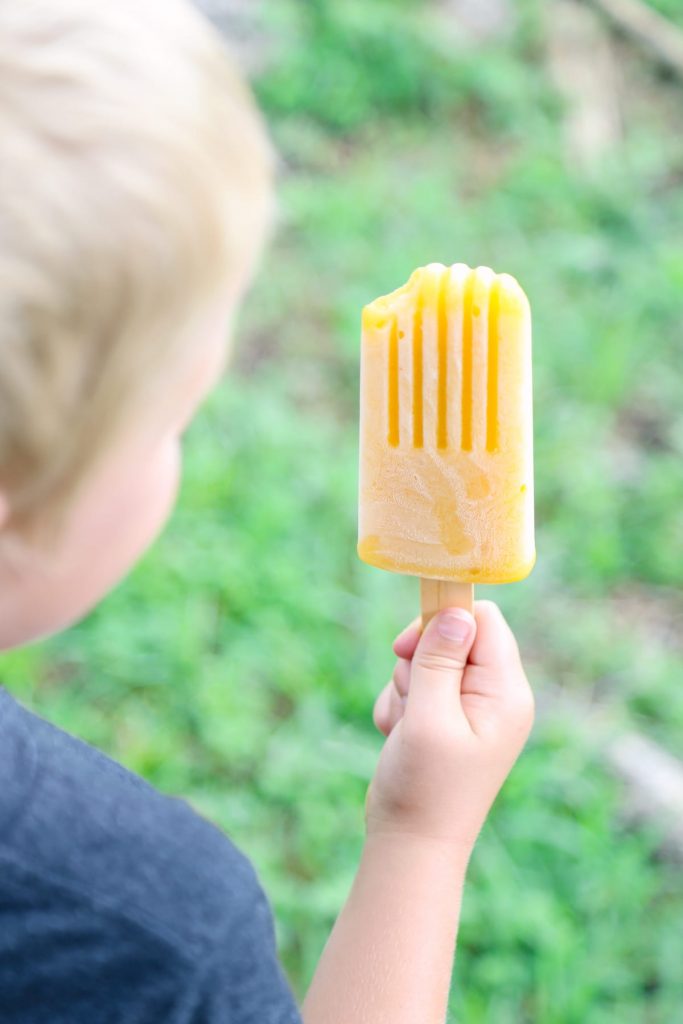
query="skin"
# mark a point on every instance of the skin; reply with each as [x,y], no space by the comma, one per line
[454,712]
[455,716]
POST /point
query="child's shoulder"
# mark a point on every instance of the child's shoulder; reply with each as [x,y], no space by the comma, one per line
[76,820]
[115,895]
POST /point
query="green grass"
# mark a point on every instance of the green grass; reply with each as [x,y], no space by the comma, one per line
[670,8]
[239,663]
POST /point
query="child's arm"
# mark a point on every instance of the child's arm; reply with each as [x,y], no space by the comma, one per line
[449,747]
[390,955]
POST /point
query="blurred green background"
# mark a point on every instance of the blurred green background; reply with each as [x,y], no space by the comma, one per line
[239,663]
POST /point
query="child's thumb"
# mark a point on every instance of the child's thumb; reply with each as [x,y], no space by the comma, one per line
[439,663]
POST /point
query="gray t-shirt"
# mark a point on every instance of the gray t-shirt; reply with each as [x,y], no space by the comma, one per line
[119,905]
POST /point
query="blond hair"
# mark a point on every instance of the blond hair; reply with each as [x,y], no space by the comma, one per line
[134,184]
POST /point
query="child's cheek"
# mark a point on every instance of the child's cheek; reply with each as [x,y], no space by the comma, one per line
[164,485]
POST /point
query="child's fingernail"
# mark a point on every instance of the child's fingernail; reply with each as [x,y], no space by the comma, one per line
[454,627]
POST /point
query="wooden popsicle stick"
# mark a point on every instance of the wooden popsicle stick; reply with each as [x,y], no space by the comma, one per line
[438,594]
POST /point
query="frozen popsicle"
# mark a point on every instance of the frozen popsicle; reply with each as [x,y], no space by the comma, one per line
[446,459]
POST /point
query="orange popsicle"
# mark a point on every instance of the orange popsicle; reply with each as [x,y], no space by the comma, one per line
[446,452]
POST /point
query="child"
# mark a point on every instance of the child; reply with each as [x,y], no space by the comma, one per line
[134,197]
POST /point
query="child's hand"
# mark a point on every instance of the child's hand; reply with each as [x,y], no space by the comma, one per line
[454,725]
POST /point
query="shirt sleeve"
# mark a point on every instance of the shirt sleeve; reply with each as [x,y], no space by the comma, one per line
[244,982]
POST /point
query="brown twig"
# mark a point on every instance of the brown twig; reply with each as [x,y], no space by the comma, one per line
[652,30]
[654,780]
[651,776]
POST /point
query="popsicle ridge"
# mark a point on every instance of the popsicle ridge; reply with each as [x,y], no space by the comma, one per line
[479,289]
[467,332]
[492,367]
[418,368]
[442,337]
[392,402]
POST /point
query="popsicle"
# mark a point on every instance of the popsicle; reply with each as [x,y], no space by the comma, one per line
[446,451]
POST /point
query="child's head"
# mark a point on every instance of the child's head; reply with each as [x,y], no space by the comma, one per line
[134,196]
